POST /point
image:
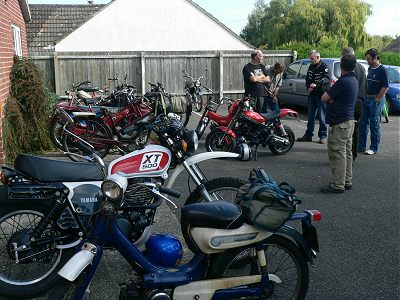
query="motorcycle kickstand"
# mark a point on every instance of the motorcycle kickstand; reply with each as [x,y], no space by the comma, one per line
[255,153]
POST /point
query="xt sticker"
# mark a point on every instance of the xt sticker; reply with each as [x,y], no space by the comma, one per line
[150,161]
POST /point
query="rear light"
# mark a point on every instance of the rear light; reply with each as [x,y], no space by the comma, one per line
[331,82]
[314,214]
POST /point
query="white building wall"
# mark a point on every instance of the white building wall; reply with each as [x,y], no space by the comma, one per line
[150,25]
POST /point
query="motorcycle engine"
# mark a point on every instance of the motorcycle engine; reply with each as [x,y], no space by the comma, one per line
[137,208]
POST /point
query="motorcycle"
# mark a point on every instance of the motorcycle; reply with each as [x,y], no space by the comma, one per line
[193,90]
[47,206]
[80,101]
[108,131]
[243,128]
[272,264]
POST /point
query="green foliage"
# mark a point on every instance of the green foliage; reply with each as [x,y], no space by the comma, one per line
[26,111]
[390,58]
[309,21]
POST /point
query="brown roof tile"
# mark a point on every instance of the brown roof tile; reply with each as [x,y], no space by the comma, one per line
[51,23]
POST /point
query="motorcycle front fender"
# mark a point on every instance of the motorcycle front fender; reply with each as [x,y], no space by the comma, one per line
[77,263]
[196,159]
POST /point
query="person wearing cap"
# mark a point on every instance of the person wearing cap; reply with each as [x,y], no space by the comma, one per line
[377,86]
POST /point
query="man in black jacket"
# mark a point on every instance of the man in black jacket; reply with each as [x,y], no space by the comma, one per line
[317,80]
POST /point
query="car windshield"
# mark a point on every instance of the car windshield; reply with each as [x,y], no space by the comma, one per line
[393,74]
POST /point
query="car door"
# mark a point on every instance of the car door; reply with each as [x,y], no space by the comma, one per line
[300,89]
[286,91]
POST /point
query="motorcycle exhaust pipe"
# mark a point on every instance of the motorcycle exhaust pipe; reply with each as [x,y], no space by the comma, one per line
[277,139]
[74,267]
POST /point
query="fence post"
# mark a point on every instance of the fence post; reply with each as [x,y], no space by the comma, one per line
[221,75]
[143,71]
[57,74]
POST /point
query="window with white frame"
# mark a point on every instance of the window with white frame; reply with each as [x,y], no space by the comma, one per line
[17,40]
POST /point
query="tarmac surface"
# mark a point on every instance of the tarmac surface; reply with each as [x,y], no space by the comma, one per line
[359,233]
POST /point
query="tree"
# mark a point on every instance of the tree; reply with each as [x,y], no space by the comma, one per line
[307,21]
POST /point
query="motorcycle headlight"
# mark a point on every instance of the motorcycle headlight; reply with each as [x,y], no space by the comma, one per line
[192,141]
[114,186]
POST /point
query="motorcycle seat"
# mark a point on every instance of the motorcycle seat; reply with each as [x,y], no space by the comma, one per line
[49,170]
[272,115]
[89,89]
[216,214]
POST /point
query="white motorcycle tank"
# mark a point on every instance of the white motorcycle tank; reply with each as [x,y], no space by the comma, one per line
[151,161]
[211,240]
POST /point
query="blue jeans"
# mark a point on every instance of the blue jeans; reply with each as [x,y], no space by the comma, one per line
[268,101]
[370,119]
[315,105]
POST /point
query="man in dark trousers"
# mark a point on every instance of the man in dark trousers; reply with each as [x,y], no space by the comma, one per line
[362,80]
[377,86]
[255,77]
[317,78]
[341,99]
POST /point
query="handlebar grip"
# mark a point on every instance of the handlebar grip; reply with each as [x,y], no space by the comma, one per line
[170,192]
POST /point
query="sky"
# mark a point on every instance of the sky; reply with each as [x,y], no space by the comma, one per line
[233,13]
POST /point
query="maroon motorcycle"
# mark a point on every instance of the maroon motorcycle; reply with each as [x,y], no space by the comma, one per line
[243,128]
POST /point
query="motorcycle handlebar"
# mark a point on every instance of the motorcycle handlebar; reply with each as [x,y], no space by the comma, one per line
[169,192]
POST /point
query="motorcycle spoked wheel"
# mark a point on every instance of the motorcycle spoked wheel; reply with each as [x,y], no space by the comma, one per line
[227,144]
[280,149]
[284,259]
[220,189]
[32,277]
[55,127]
[89,130]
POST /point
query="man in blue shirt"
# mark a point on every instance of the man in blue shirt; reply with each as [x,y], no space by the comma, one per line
[341,99]
[377,86]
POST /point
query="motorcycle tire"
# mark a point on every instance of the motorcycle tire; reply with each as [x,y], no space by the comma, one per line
[32,278]
[282,149]
[228,144]
[198,102]
[87,129]
[284,259]
[55,127]
[221,189]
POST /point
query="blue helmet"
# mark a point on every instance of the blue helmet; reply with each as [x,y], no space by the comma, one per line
[164,250]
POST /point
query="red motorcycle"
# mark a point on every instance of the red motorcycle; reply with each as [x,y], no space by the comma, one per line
[243,126]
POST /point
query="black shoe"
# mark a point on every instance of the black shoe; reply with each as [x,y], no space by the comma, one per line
[331,190]
[348,187]
[304,138]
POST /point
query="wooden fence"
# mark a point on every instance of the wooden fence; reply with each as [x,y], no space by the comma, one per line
[224,74]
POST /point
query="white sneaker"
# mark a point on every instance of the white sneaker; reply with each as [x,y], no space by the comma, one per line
[369,152]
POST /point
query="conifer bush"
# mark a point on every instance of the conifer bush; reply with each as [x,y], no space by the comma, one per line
[25,123]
